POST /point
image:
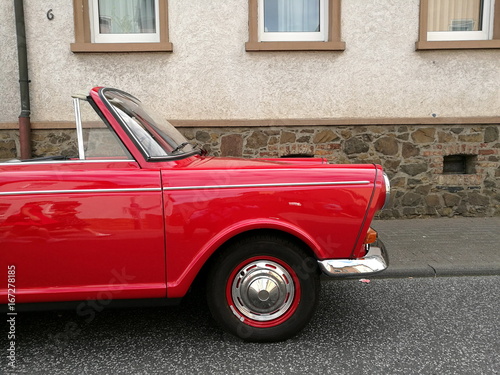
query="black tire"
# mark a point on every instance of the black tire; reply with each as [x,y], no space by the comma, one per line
[263,288]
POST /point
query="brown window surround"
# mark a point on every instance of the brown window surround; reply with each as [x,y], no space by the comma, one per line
[83,42]
[423,44]
[333,44]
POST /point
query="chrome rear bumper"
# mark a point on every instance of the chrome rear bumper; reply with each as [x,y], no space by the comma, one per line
[376,260]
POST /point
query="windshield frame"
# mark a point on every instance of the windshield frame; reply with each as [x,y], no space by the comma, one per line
[153,128]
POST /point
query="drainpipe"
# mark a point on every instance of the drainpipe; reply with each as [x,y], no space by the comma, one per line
[24,117]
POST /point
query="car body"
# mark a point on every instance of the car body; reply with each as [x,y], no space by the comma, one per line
[140,213]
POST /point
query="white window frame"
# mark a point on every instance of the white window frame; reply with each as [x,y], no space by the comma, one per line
[485,34]
[293,36]
[97,37]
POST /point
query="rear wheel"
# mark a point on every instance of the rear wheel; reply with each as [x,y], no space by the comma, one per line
[263,288]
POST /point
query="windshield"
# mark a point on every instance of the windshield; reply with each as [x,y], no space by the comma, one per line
[156,137]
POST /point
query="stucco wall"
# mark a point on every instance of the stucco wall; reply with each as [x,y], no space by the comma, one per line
[209,75]
[10,106]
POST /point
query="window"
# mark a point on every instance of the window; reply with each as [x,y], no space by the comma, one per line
[292,20]
[307,25]
[124,22]
[156,137]
[120,26]
[96,139]
[456,24]
[459,20]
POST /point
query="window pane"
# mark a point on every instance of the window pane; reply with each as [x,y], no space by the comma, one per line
[455,15]
[99,141]
[291,15]
[127,16]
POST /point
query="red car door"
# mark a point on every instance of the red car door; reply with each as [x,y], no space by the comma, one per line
[82,229]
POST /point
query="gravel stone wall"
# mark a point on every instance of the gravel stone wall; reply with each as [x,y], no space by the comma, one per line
[412,155]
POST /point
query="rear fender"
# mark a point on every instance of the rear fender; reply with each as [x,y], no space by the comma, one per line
[377,201]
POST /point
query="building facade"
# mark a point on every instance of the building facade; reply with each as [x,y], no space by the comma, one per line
[413,85]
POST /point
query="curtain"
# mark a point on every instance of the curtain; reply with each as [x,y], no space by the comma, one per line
[455,15]
[126,16]
[291,15]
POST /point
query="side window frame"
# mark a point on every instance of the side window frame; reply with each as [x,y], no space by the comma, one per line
[83,35]
[333,43]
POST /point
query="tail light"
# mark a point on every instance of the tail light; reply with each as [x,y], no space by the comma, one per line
[371,236]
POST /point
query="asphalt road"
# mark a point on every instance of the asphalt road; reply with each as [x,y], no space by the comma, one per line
[388,326]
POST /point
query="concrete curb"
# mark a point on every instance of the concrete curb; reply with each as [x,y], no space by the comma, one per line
[430,271]
[399,271]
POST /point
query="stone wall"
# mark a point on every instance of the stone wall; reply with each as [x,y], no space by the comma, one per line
[412,155]
[9,143]
[44,143]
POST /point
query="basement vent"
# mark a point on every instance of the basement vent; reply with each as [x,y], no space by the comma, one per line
[459,164]
[298,156]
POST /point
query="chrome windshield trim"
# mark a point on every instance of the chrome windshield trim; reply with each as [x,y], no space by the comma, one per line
[267,185]
[80,191]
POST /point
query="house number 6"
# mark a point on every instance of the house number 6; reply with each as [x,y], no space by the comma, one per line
[50,15]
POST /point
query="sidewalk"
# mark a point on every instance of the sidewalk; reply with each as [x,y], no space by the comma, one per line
[441,247]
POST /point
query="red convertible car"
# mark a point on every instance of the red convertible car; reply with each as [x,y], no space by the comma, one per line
[140,213]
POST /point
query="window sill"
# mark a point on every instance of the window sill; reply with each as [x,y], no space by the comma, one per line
[294,46]
[457,44]
[120,47]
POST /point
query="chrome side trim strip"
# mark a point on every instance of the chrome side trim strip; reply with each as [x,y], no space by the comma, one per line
[376,260]
[79,191]
[387,190]
[267,185]
[83,191]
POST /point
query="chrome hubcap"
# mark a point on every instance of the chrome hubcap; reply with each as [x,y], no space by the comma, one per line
[262,290]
